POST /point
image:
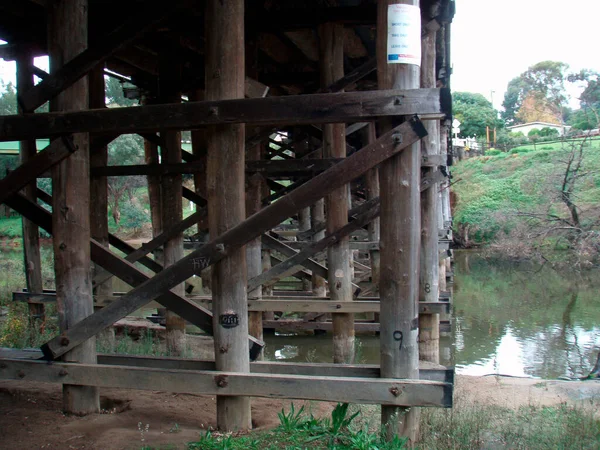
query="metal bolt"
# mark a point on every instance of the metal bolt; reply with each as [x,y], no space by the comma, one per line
[397,101]
[397,138]
[63,373]
[64,341]
[221,381]
[21,374]
[213,111]
[395,391]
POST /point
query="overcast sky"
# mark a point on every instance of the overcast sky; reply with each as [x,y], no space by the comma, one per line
[495,41]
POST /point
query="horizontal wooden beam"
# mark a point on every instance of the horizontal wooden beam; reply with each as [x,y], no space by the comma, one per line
[427,371]
[350,168]
[290,110]
[291,167]
[333,389]
[295,325]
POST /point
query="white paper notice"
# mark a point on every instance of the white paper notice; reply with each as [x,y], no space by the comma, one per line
[404,35]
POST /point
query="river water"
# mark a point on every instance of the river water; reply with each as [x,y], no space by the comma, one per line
[508,318]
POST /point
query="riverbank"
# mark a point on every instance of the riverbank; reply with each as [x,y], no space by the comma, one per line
[487,410]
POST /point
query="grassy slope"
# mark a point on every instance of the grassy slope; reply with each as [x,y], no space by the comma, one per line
[494,188]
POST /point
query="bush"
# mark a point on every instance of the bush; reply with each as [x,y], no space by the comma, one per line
[492,152]
[520,150]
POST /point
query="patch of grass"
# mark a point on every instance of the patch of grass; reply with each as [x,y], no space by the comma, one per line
[299,430]
[10,227]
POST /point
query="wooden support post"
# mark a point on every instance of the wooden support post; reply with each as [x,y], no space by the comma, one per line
[199,152]
[302,147]
[400,242]
[31,235]
[171,201]
[372,187]
[99,193]
[334,146]
[254,187]
[429,324]
[225,187]
[67,37]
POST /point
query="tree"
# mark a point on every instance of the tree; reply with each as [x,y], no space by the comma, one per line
[474,112]
[8,99]
[588,116]
[543,86]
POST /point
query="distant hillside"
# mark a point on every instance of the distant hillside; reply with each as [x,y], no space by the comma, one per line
[516,199]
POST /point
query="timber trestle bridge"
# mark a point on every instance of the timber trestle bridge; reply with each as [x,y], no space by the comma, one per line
[319,156]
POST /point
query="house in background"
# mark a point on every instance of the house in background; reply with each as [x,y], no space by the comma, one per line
[525,128]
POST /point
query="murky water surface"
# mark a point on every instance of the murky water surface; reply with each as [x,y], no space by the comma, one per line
[511,319]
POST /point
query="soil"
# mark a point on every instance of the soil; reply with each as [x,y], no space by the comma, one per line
[31,417]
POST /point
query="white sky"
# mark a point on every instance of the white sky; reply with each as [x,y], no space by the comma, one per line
[495,41]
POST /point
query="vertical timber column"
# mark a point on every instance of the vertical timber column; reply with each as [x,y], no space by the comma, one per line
[334,146]
[67,37]
[400,232]
[429,324]
[254,188]
[199,152]
[225,186]
[372,187]
[99,194]
[151,158]
[301,148]
[171,200]
[266,253]
[31,235]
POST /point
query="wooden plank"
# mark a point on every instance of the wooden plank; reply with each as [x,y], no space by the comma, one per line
[127,272]
[334,389]
[332,306]
[441,374]
[295,325]
[288,110]
[131,28]
[387,145]
[356,75]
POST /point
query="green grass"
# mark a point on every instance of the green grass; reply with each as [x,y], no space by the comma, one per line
[10,227]
[494,188]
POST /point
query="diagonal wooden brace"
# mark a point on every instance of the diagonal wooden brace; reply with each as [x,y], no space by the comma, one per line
[352,167]
[126,271]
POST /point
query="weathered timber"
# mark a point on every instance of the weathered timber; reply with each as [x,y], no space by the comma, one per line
[332,306]
[224,74]
[315,247]
[295,325]
[68,37]
[352,167]
[289,110]
[347,80]
[131,28]
[400,243]
[285,250]
[441,374]
[427,371]
[374,227]
[127,272]
[31,236]
[221,383]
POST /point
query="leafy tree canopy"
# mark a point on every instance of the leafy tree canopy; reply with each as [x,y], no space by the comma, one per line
[542,86]
[475,112]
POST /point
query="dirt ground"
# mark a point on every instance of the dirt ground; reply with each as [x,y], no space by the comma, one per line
[31,417]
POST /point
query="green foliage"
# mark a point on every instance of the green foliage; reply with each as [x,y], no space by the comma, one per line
[474,112]
[11,227]
[8,99]
[544,80]
[292,420]
[492,152]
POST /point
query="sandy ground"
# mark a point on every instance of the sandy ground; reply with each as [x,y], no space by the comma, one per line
[30,415]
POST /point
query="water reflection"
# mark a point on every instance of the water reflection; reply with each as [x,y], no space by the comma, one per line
[511,319]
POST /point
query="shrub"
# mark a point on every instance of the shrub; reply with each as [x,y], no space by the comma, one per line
[492,152]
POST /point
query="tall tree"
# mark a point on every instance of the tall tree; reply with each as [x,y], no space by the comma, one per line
[475,113]
[588,116]
[541,88]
